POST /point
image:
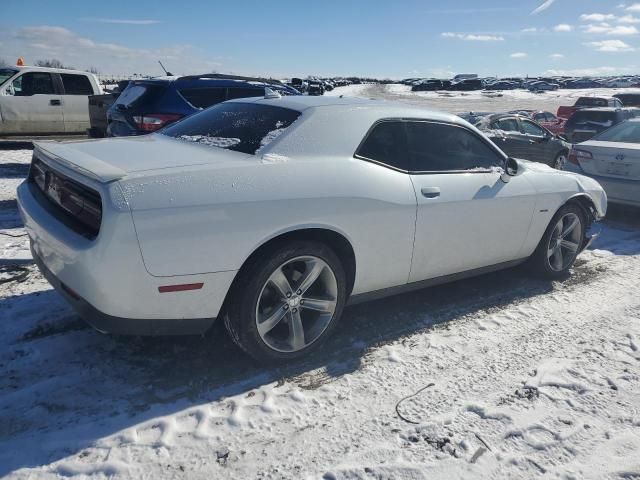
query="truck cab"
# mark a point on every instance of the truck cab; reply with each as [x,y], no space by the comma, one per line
[44,101]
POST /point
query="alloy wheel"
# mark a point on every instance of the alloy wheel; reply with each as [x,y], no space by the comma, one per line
[564,242]
[296,304]
[560,162]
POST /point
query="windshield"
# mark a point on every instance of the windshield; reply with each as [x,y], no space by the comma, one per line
[242,127]
[627,132]
[6,74]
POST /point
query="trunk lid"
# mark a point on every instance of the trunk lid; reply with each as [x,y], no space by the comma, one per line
[110,159]
[612,159]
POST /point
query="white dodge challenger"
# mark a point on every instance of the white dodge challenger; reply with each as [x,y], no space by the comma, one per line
[274,213]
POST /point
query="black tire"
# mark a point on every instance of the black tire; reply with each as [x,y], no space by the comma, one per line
[558,164]
[540,262]
[240,309]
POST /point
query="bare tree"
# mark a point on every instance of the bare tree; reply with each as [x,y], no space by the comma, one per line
[52,63]
[93,70]
[3,63]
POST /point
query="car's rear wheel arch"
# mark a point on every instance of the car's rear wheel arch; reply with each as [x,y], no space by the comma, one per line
[332,239]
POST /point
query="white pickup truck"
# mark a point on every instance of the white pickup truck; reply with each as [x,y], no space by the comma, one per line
[44,101]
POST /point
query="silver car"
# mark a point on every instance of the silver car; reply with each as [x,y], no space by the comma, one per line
[613,159]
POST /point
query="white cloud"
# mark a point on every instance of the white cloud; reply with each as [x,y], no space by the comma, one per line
[48,41]
[543,7]
[557,56]
[563,27]
[590,72]
[633,8]
[607,29]
[123,21]
[529,30]
[611,46]
[628,19]
[597,17]
[473,37]
[519,55]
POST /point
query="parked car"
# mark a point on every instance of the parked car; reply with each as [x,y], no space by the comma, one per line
[521,137]
[502,85]
[588,122]
[315,88]
[430,85]
[99,106]
[467,85]
[474,117]
[613,159]
[45,101]
[542,86]
[629,99]
[149,105]
[583,83]
[588,102]
[546,119]
[237,214]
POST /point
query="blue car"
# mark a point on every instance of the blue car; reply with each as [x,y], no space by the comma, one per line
[146,106]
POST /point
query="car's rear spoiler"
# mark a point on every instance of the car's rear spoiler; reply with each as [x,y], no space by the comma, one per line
[74,159]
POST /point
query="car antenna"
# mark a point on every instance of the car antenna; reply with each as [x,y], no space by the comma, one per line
[167,73]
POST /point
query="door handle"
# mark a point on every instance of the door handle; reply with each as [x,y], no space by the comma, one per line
[55,102]
[430,192]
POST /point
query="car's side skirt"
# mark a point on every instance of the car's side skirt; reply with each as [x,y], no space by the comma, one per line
[430,282]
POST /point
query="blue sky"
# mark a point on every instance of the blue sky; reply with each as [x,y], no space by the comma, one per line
[394,39]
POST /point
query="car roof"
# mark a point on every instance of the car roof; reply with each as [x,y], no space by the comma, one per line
[29,68]
[382,108]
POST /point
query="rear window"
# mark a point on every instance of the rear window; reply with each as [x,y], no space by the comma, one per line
[241,127]
[203,97]
[135,93]
[76,84]
[591,102]
[245,92]
[627,132]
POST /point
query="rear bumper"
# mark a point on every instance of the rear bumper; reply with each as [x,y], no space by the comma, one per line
[619,190]
[118,325]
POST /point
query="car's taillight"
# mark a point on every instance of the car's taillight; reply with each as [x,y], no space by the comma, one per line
[150,122]
[575,155]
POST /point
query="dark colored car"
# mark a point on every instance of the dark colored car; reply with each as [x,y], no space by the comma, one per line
[467,85]
[431,85]
[629,99]
[588,122]
[99,106]
[315,88]
[149,105]
[520,137]
[502,85]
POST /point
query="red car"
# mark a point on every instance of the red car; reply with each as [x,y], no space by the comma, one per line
[547,119]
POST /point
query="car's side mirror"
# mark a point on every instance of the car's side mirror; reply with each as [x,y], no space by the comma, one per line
[511,168]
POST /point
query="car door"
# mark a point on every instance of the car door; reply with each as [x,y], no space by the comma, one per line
[31,103]
[467,217]
[514,143]
[75,102]
[539,145]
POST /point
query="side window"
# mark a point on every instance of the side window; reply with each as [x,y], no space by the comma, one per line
[507,125]
[244,93]
[435,147]
[531,128]
[386,143]
[550,117]
[203,97]
[76,84]
[33,83]
[540,117]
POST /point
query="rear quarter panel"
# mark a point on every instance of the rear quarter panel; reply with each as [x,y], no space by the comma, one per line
[204,219]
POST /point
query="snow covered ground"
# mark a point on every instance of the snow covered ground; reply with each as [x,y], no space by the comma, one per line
[501,376]
[479,101]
